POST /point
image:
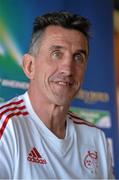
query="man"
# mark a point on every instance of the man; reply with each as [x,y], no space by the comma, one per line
[39,137]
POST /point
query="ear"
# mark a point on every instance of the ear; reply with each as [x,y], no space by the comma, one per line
[28,66]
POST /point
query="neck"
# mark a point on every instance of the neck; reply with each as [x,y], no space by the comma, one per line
[53,116]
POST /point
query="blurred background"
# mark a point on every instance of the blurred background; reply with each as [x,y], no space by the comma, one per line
[116,45]
[98,99]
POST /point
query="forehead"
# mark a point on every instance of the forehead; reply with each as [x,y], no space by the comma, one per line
[57,34]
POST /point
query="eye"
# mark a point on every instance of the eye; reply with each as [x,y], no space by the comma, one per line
[79,58]
[56,54]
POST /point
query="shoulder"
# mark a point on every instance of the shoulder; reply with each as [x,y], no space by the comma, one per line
[79,121]
[10,109]
[87,130]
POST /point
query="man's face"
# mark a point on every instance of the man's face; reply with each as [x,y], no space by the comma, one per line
[60,65]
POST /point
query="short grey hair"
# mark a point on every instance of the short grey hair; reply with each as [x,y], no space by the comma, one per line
[64,19]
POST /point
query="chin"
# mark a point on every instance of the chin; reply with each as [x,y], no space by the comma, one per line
[63,101]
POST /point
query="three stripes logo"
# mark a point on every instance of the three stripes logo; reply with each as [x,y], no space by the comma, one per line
[35,156]
[10,110]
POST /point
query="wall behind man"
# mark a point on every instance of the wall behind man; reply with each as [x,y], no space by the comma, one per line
[96,101]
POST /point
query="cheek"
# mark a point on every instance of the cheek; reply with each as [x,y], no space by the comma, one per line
[79,74]
[79,77]
[43,73]
[38,72]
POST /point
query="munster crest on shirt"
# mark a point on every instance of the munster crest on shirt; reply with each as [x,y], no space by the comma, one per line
[90,161]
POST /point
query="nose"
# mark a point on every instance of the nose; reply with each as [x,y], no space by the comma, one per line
[67,67]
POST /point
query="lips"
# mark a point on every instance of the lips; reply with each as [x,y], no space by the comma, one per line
[64,83]
[62,80]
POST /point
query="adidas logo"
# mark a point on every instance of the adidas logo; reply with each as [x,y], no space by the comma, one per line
[34,156]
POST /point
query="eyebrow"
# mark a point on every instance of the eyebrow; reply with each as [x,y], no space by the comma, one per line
[57,47]
[82,52]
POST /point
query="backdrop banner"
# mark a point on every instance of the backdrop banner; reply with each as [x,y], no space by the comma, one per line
[96,101]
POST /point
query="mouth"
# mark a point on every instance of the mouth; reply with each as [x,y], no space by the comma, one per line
[63,83]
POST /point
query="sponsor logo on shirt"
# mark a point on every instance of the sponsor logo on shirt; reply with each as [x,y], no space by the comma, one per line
[35,156]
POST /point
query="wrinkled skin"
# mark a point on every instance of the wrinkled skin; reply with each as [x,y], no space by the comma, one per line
[57,71]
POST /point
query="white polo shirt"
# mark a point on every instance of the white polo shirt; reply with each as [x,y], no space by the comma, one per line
[29,150]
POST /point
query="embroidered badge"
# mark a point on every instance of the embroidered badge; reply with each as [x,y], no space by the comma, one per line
[91,161]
